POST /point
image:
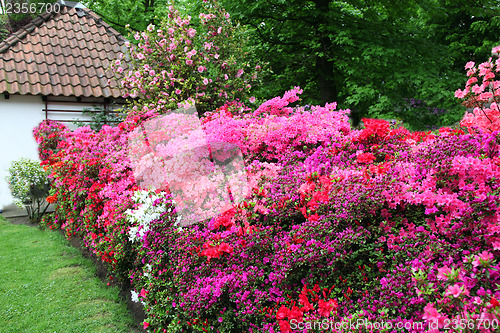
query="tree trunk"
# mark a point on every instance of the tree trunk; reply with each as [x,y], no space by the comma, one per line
[324,68]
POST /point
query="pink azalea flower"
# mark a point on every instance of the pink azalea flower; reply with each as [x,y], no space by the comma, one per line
[443,272]
[432,315]
[469,65]
[484,256]
[477,89]
[460,93]
[191,32]
[454,290]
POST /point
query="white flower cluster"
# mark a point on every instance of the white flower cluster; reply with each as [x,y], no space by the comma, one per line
[135,297]
[24,175]
[140,218]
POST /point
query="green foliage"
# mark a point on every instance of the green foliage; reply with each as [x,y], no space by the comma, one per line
[136,13]
[469,29]
[30,186]
[98,118]
[370,56]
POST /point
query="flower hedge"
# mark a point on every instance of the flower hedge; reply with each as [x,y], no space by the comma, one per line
[372,230]
[378,224]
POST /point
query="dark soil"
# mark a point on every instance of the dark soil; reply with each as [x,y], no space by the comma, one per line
[102,272]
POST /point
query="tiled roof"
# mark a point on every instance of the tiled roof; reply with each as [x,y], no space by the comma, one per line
[61,54]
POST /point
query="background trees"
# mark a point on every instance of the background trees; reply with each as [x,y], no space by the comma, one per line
[380,58]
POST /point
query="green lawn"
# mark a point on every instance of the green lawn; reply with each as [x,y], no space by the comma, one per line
[47,286]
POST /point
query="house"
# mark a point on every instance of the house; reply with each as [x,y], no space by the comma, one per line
[53,68]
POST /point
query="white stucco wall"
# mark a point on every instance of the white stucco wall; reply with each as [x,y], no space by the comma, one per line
[18,116]
[68,118]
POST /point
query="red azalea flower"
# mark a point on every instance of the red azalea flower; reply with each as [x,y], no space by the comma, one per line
[285,326]
[325,308]
[494,302]
[323,196]
[365,158]
[313,218]
[326,183]
[374,127]
[379,169]
[304,301]
[295,314]
[313,204]
[307,188]
[52,199]
[303,210]
[225,247]
[225,219]
[283,312]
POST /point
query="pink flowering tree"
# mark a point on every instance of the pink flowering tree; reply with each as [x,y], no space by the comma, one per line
[482,93]
[175,64]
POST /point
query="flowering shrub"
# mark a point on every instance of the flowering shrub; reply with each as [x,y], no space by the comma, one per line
[482,93]
[174,64]
[29,184]
[338,226]
[47,136]
[149,209]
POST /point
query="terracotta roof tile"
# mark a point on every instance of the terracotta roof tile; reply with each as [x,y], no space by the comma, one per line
[61,54]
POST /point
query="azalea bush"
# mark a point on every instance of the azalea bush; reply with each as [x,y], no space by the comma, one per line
[482,94]
[47,135]
[336,226]
[174,65]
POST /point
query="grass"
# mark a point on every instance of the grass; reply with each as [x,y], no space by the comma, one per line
[47,286]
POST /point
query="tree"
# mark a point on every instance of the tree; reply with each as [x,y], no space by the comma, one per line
[138,14]
[371,56]
[376,57]
[469,29]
